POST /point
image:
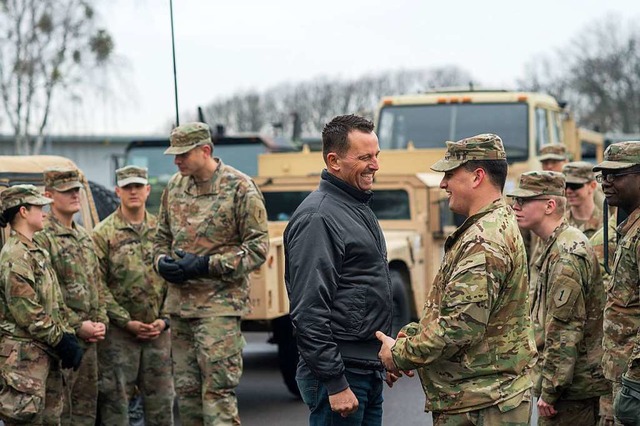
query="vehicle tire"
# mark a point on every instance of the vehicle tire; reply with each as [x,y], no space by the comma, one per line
[106,201]
[401,309]
[287,352]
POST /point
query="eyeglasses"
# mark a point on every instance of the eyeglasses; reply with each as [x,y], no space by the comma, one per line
[574,186]
[610,177]
[520,201]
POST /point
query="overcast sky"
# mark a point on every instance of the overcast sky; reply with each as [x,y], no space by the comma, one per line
[223,47]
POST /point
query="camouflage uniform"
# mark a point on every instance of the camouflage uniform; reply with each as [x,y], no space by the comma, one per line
[224,218]
[580,172]
[474,346]
[622,310]
[73,257]
[125,253]
[553,151]
[32,322]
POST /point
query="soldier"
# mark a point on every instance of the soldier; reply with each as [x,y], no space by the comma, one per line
[620,180]
[583,212]
[137,348]
[553,157]
[567,301]
[212,232]
[34,334]
[76,266]
[474,346]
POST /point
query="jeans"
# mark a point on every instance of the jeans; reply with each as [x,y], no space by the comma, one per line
[366,387]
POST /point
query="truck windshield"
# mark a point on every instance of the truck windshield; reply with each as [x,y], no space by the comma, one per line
[386,204]
[429,126]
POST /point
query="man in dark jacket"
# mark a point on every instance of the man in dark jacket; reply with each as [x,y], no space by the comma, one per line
[338,281]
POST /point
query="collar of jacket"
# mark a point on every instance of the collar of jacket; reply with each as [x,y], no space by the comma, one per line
[362,196]
[494,205]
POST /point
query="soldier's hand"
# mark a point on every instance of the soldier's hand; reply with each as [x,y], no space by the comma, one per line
[546,410]
[86,331]
[344,402]
[100,331]
[170,270]
[151,331]
[192,265]
[69,351]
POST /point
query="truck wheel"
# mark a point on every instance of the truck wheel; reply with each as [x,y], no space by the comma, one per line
[401,311]
[106,201]
[287,352]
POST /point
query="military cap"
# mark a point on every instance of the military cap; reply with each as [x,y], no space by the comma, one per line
[186,137]
[62,179]
[533,184]
[480,147]
[620,155]
[22,194]
[578,172]
[553,151]
[131,174]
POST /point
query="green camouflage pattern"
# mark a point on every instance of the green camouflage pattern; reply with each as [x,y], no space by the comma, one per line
[225,219]
[128,365]
[597,242]
[62,179]
[474,345]
[131,174]
[538,183]
[187,136]
[81,403]
[513,412]
[622,311]
[578,172]
[567,302]
[589,226]
[620,155]
[573,412]
[480,147]
[22,194]
[125,256]
[553,151]
[207,353]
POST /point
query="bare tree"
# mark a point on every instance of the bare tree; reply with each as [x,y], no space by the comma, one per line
[46,47]
[598,73]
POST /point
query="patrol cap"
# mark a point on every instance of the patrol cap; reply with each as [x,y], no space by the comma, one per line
[620,155]
[62,179]
[578,172]
[22,194]
[131,174]
[553,151]
[480,147]
[186,137]
[533,184]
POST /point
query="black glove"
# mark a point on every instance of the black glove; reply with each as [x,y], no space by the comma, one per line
[69,351]
[192,265]
[170,270]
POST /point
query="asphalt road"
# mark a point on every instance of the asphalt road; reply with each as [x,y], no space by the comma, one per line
[264,399]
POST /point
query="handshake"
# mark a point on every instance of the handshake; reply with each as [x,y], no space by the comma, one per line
[187,266]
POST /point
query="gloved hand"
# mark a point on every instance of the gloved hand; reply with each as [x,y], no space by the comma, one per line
[192,265]
[69,351]
[170,270]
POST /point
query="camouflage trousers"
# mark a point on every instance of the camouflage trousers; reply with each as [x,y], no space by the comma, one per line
[81,404]
[207,355]
[606,410]
[573,412]
[31,390]
[127,364]
[514,412]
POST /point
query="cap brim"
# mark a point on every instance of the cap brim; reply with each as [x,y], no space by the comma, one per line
[177,150]
[67,186]
[573,179]
[524,193]
[128,181]
[612,165]
[555,157]
[39,200]
[445,165]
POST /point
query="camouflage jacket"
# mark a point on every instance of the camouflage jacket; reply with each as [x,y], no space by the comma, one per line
[622,311]
[597,242]
[591,225]
[126,262]
[474,345]
[226,219]
[567,301]
[31,305]
[74,260]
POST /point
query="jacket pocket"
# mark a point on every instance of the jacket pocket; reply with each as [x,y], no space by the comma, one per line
[358,309]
